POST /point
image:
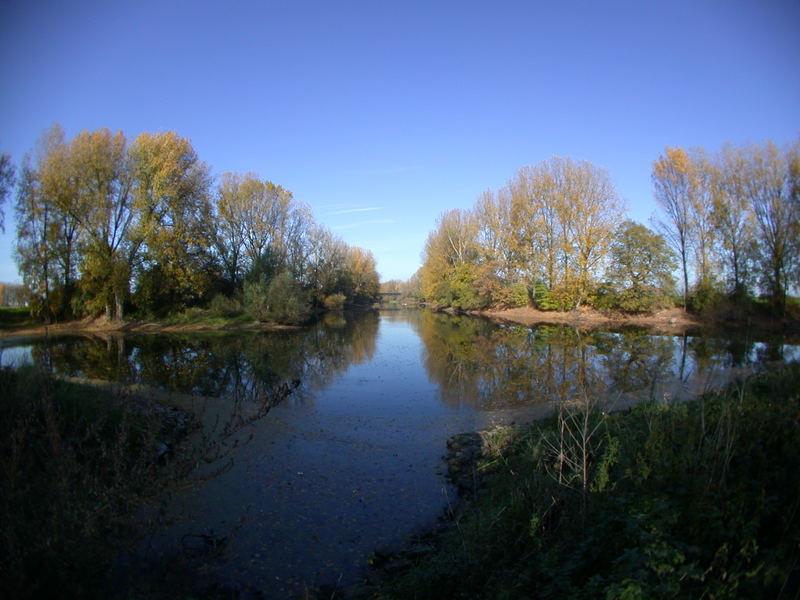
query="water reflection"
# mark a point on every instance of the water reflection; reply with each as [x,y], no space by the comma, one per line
[476,364]
[488,366]
[212,365]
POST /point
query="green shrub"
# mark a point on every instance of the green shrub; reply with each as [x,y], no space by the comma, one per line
[282,300]
[334,301]
[222,306]
[705,296]
[542,298]
[254,298]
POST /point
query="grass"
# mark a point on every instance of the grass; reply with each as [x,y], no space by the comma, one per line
[78,462]
[75,463]
[685,501]
[201,317]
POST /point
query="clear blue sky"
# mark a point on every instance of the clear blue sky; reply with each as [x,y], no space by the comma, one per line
[383,114]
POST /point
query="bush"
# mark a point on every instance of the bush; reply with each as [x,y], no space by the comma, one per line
[254,298]
[542,298]
[282,300]
[334,301]
[222,306]
[705,296]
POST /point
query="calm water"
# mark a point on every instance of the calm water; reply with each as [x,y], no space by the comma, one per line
[351,461]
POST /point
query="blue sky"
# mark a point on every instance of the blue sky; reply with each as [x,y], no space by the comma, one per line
[381,115]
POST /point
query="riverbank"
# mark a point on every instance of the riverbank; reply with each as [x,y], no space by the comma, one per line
[102,325]
[661,501]
[78,462]
[673,321]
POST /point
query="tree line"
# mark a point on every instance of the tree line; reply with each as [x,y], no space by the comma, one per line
[557,237]
[111,225]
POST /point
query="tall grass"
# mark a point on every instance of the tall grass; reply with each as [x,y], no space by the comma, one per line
[77,463]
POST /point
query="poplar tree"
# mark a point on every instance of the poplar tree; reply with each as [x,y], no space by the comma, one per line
[673,192]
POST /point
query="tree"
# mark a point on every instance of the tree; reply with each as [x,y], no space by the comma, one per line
[228,228]
[640,267]
[734,219]
[324,255]
[6,184]
[104,210]
[451,244]
[497,235]
[704,178]
[565,212]
[47,226]
[172,216]
[672,179]
[592,212]
[34,248]
[534,215]
[770,182]
[359,279]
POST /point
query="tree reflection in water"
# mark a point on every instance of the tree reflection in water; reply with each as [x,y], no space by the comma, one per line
[476,363]
[213,365]
[489,366]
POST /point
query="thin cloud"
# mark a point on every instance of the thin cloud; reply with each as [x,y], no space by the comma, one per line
[362,223]
[347,211]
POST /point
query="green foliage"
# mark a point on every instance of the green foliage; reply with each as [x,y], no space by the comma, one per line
[99,217]
[513,296]
[691,500]
[705,296]
[640,270]
[458,289]
[222,306]
[334,301]
[287,301]
[16,318]
[542,298]
[254,298]
[282,300]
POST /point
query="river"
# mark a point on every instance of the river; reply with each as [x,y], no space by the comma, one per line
[350,460]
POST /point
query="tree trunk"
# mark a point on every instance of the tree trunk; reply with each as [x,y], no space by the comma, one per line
[119,308]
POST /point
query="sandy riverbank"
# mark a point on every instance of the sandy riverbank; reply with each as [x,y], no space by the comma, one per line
[672,321]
